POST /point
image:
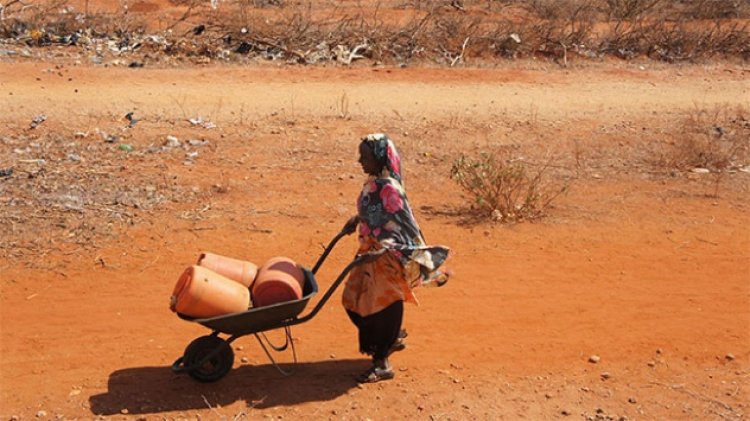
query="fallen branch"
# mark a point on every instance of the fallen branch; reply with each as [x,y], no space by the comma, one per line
[279,47]
[447,54]
[353,55]
[565,54]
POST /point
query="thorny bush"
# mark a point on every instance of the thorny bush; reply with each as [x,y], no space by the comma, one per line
[506,189]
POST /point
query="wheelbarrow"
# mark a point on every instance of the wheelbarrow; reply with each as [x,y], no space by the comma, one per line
[210,357]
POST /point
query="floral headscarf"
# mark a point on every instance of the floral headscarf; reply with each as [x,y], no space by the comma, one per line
[385,214]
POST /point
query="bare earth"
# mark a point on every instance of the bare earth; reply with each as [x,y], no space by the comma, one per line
[649,272]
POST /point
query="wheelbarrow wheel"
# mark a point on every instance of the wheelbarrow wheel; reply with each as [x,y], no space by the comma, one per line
[217,366]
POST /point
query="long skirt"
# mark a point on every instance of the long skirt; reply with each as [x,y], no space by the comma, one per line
[379,331]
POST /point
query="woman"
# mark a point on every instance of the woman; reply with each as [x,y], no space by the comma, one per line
[376,290]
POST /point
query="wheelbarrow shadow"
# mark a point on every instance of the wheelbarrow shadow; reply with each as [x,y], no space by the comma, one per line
[145,390]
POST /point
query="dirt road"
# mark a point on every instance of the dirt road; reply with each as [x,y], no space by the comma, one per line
[646,271]
[611,93]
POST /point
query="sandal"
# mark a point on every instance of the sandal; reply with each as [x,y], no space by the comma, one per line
[399,345]
[376,374]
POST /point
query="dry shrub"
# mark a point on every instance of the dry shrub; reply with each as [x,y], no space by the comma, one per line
[560,10]
[431,5]
[451,34]
[716,9]
[677,41]
[448,32]
[548,28]
[625,40]
[16,16]
[268,3]
[716,139]
[404,43]
[629,9]
[56,22]
[504,188]
[573,31]
[685,41]
[279,36]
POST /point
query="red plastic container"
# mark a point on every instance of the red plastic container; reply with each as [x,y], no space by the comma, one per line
[237,270]
[203,293]
[278,280]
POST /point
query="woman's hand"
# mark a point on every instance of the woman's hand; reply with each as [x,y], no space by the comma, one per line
[370,256]
[351,225]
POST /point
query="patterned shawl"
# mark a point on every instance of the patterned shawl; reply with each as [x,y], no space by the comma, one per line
[386,216]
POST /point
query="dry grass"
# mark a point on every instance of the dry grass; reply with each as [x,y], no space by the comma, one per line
[78,190]
[715,139]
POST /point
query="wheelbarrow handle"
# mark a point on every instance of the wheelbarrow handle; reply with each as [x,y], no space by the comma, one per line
[344,232]
[360,259]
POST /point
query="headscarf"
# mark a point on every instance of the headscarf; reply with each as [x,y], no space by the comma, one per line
[385,214]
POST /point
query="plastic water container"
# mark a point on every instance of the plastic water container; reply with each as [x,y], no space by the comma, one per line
[203,293]
[278,280]
[237,270]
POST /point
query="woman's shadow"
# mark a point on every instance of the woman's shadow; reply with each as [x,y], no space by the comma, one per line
[143,390]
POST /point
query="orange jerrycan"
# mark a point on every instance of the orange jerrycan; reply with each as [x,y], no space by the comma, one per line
[278,280]
[237,270]
[202,293]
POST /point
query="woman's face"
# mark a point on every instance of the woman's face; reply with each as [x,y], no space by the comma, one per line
[367,159]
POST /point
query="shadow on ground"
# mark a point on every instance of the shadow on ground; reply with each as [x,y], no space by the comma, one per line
[144,390]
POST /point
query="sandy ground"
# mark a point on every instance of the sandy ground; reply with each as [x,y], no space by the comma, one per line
[646,271]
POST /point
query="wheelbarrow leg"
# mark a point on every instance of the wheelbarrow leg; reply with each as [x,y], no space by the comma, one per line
[288,333]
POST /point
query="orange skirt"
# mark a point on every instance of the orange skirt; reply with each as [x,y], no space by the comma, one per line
[373,286]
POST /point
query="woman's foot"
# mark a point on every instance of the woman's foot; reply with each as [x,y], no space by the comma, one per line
[402,334]
[380,370]
[399,345]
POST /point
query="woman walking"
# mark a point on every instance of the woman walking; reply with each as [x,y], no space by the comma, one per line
[376,290]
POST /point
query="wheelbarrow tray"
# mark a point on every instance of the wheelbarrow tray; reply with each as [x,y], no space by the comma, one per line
[261,318]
